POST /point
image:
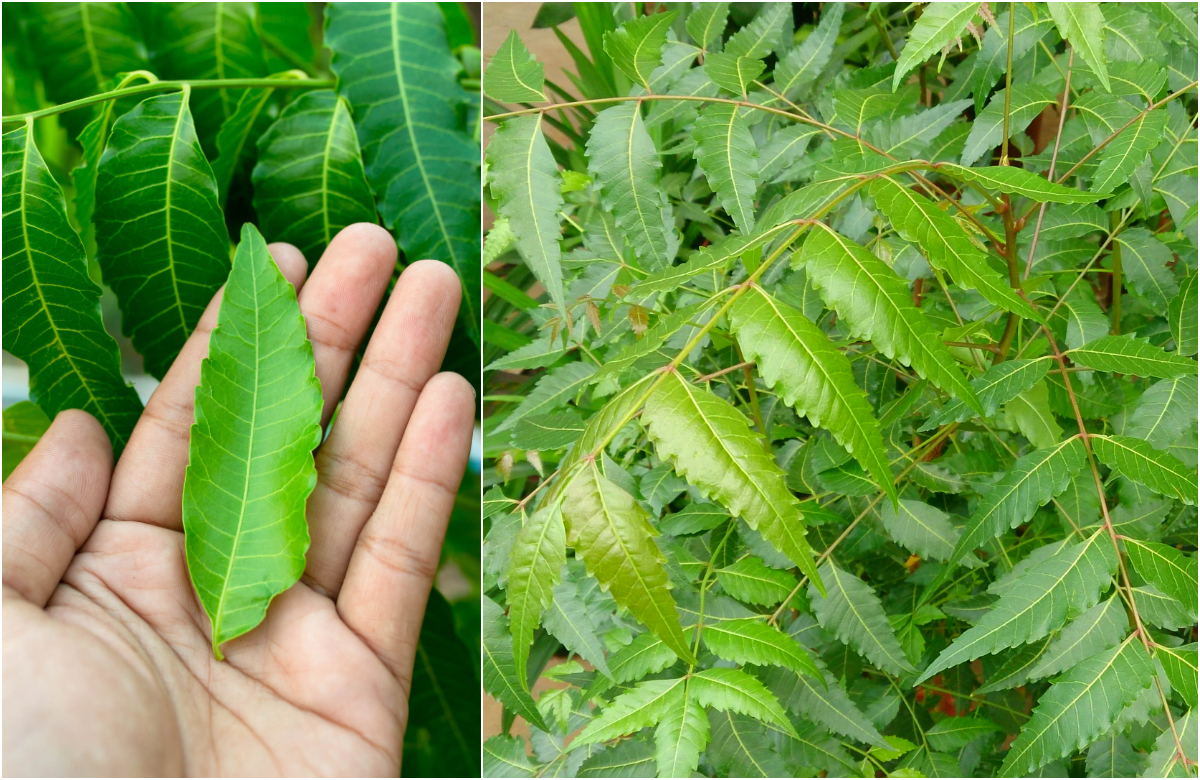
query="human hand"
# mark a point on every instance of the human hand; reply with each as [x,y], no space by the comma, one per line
[108,666]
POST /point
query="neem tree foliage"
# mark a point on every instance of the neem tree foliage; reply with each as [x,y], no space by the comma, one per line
[852,427]
[140,139]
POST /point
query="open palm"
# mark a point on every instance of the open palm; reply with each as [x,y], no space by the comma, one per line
[108,667]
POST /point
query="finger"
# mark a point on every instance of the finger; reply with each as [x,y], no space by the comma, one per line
[340,300]
[352,466]
[396,557]
[147,484]
[52,501]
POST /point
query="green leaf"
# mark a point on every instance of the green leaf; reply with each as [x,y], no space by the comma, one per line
[955,732]
[205,41]
[946,244]
[1159,609]
[636,46]
[505,756]
[1145,261]
[1127,150]
[796,359]
[24,424]
[235,147]
[1127,354]
[1137,460]
[804,63]
[751,641]
[1018,181]
[1181,668]
[1029,483]
[992,61]
[999,384]
[784,149]
[613,535]
[309,181]
[711,445]
[769,31]
[733,73]
[706,23]
[1113,756]
[987,131]
[680,737]
[1080,706]
[1082,25]
[51,305]
[1165,760]
[247,481]
[726,155]
[644,705]
[525,181]
[908,136]
[1163,412]
[825,704]
[1039,601]
[743,747]
[1170,570]
[923,529]
[160,233]
[940,24]
[1030,413]
[752,581]
[628,758]
[853,613]
[1182,317]
[876,304]
[538,554]
[567,618]
[514,76]
[732,690]
[500,678]
[284,30]
[625,166]
[552,390]
[1100,628]
[715,257]
[396,71]
[645,655]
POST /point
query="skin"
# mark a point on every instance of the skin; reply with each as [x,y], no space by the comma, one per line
[108,668]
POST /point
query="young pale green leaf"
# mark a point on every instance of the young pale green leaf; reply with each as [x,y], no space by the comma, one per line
[395,69]
[514,76]
[51,305]
[733,73]
[636,46]
[24,425]
[1018,181]
[1181,669]
[1038,602]
[796,359]
[999,384]
[1181,316]
[769,31]
[940,25]
[732,690]
[309,181]
[853,613]
[644,705]
[160,233]
[1127,354]
[727,157]
[876,304]
[1080,706]
[1100,628]
[535,563]
[547,431]
[752,581]
[1163,412]
[752,641]
[250,464]
[500,678]
[1170,570]
[1145,261]
[1128,150]
[646,654]
[946,245]
[712,446]
[525,181]
[681,735]
[987,131]
[1082,24]
[827,704]
[955,732]
[1137,460]
[625,166]
[612,534]
[804,63]
[706,23]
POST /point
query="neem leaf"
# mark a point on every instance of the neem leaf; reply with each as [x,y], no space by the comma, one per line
[752,641]
[24,425]
[939,25]
[160,233]
[987,131]
[250,465]
[535,565]
[706,22]
[1180,665]
[1018,181]
[853,613]
[51,305]
[727,157]
[514,76]
[1137,460]
[500,678]
[732,690]
[636,46]
[1170,570]
[733,73]
[309,181]
[1127,354]
[1127,150]
[680,737]
[1082,24]
[804,63]
[1182,316]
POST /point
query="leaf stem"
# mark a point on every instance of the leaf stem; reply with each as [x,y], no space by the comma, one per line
[165,86]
